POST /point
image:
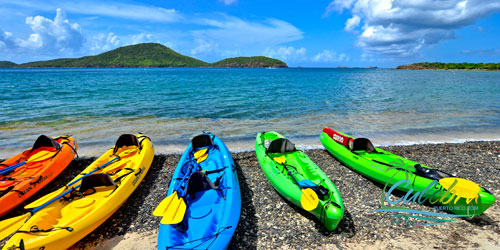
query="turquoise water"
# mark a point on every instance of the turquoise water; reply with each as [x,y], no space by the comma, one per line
[173,104]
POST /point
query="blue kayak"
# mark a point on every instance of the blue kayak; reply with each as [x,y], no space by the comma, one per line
[206,180]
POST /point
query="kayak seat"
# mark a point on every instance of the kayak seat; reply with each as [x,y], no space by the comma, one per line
[96,180]
[125,140]
[201,141]
[280,145]
[364,144]
[199,181]
[45,141]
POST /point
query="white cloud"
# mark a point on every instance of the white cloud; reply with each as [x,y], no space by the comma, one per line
[402,28]
[292,54]
[330,56]
[142,38]
[232,32]
[287,53]
[106,8]
[169,44]
[103,42]
[338,6]
[228,2]
[52,36]
[352,23]
[205,47]
[7,41]
[129,11]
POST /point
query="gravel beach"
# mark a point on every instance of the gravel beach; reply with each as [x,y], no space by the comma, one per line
[270,222]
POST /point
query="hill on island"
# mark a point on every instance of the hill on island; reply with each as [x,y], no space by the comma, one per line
[451,66]
[7,64]
[146,55]
[249,62]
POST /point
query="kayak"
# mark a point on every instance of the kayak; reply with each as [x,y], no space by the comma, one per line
[298,179]
[457,195]
[203,203]
[62,218]
[26,173]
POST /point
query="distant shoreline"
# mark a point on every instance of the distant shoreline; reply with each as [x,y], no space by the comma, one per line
[451,66]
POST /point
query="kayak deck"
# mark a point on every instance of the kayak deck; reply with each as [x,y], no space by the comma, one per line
[297,168]
[211,215]
[390,169]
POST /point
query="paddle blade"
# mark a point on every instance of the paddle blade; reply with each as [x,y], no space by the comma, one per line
[128,152]
[41,156]
[200,152]
[463,188]
[309,199]
[202,158]
[172,209]
[280,159]
[164,204]
[201,155]
[9,226]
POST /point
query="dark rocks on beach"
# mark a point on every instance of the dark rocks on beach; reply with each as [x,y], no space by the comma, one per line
[268,221]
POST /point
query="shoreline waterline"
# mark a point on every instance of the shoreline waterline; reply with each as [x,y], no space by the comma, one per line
[89,150]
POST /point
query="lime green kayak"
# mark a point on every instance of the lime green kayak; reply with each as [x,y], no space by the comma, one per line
[296,177]
[420,183]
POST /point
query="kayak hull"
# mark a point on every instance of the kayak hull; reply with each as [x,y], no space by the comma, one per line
[329,211]
[211,215]
[421,189]
[83,214]
[32,177]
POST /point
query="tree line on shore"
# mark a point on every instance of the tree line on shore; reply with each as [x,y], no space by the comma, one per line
[462,66]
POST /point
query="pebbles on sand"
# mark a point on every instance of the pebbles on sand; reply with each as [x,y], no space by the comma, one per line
[268,221]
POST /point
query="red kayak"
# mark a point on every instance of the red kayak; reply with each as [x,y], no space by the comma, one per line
[26,173]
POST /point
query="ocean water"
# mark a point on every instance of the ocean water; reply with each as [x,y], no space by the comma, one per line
[171,105]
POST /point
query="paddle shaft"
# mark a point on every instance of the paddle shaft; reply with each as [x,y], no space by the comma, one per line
[10,168]
[73,188]
[54,199]
[98,168]
[291,175]
[187,175]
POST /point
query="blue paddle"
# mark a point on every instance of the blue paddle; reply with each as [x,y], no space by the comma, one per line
[38,157]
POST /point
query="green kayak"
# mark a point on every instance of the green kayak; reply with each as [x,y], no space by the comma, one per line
[298,179]
[420,183]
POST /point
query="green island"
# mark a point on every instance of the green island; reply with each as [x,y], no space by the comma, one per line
[147,55]
[450,66]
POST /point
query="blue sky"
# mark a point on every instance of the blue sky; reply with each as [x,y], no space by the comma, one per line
[334,33]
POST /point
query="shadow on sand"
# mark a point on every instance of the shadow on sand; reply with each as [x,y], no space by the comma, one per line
[245,236]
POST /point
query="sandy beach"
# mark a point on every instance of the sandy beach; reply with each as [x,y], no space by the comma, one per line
[269,222]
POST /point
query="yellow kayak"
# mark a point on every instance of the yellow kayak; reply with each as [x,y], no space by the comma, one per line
[59,220]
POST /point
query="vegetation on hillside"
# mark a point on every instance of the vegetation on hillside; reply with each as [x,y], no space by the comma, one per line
[451,66]
[250,62]
[149,55]
[7,64]
[139,55]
